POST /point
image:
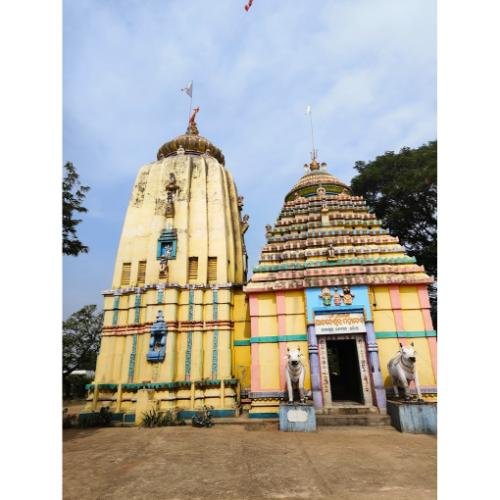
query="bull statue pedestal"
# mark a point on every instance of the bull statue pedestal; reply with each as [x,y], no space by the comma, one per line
[297,417]
[415,417]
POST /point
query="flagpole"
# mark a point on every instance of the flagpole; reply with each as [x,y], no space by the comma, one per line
[190,102]
[312,134]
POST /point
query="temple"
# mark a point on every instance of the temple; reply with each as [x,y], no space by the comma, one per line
[335,283]
[176,305]
[184,328]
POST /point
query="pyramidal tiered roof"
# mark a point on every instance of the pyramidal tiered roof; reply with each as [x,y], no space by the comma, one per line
[325,236]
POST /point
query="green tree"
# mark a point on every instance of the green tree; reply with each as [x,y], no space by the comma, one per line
[401,188]
[73,197]
[81,339]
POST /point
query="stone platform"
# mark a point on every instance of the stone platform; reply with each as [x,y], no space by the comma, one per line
[415,417]
[297,417]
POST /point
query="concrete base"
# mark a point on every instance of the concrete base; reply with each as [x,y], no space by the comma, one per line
[418,418]
[297,417]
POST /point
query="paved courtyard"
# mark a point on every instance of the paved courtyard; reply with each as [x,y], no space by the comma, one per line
[231,462]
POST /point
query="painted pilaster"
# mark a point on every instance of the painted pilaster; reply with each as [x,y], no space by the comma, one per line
[131,363]
[255,370]
[396,309]
[423,297]
[189,342]
[215,340]
[314,364]
[280,309]
[378,383]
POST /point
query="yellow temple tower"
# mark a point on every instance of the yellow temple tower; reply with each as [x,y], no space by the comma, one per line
[176,306]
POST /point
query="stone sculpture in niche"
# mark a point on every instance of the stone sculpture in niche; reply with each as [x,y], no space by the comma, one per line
[158,340]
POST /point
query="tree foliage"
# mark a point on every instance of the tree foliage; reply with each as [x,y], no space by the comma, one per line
[81,338]
[73,197]
[401,188]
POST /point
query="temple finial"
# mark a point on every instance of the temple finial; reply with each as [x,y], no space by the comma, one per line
[192,128]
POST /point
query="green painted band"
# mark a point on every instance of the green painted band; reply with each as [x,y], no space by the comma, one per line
[414,334]
[271,339]
[241,342]
[278,338]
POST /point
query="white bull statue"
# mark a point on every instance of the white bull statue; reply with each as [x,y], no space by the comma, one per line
[402,370]
[295,373]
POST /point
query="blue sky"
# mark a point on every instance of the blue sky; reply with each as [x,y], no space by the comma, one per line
[367,68]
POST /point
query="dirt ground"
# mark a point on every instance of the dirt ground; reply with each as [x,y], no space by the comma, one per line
[231,462]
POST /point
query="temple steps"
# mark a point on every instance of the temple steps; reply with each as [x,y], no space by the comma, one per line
[348,409]
[351,414]
[369,419]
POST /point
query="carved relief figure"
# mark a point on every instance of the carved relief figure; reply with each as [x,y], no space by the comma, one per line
[171,187]
[244,223]
[402,370]
[326,297]
[140,188]
[347,296]
[331,252]
[337,301]
[165,255]
[295,373]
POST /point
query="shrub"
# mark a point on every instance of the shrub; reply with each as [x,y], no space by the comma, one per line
[101,418]
[154,418]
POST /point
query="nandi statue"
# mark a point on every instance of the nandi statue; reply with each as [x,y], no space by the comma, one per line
[402,370]
[294,373]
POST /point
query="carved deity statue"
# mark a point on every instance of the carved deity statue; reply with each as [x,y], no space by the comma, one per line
[332,254]
[337,300]
[244,223]
[347,296]
[326,297]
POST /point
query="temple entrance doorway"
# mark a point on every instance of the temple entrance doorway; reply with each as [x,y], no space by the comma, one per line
[344,371]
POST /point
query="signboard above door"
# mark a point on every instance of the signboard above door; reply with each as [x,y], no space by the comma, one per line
[332,324]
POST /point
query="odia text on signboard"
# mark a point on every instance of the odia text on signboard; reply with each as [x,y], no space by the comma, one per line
[330,324]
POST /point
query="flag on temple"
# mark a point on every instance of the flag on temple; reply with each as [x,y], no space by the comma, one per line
[248,5]
[188,89]
[308,110]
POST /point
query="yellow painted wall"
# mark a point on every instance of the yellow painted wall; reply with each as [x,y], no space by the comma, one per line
[413,320]
[383,321]
[269,366]
[382,297]
[408,297]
